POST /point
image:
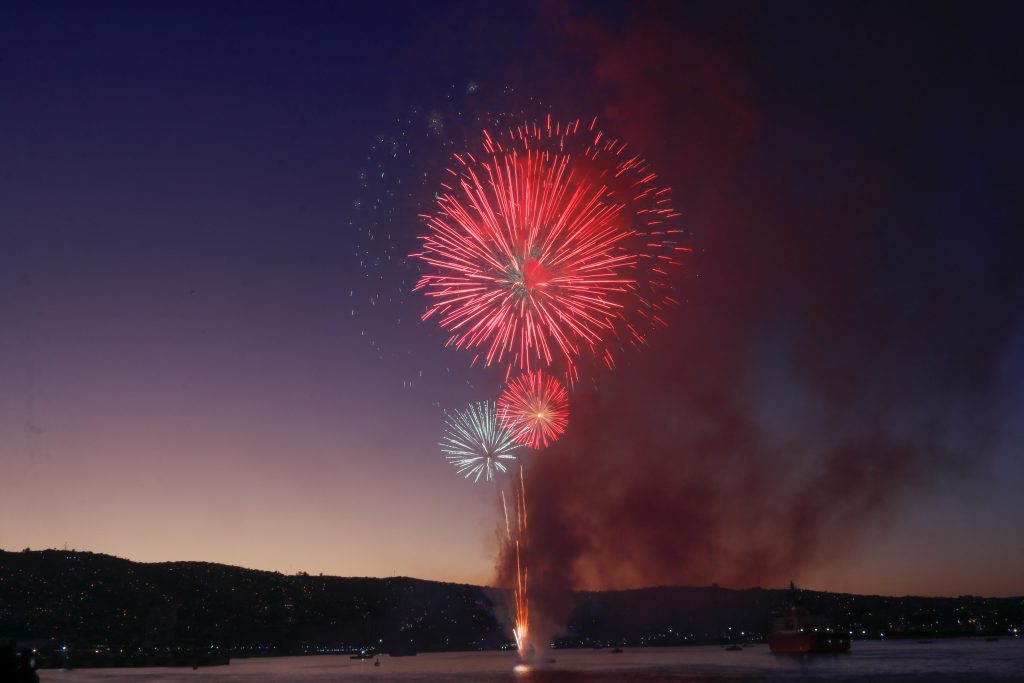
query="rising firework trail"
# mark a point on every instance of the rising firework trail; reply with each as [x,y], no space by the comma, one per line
[535,406]
[549,244]
[504,506]
[477,443]
[522,626]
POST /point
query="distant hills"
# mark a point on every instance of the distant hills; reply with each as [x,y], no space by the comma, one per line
[87,601]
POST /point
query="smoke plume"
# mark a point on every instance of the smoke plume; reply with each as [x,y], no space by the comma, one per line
[838,349]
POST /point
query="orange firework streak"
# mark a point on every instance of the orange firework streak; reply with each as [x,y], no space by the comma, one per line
[522,622]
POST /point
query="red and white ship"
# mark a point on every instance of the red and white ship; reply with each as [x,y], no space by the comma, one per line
[801,632]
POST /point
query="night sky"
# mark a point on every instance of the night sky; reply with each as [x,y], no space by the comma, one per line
[210,349]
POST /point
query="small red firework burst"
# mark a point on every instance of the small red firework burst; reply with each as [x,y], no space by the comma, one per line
[550,244]
[535,407]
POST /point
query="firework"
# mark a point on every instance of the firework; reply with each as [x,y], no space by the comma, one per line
[521,628]
[549,244]
[535,406]
[477,442]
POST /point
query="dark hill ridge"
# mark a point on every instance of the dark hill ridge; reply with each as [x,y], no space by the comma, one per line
[82,596]
[97,600]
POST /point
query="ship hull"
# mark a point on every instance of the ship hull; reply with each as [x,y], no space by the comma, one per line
[808,643]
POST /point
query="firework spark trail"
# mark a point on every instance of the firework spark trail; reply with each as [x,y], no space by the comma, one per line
[477,443]
[521,628]
[504,506]
[522,625]
[548,245]
[522,489]
[535,407]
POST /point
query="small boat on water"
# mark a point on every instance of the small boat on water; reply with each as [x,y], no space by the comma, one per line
[798,631]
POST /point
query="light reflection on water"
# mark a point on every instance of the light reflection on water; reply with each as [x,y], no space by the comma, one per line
[952,660]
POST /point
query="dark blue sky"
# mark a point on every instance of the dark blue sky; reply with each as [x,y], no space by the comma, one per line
[205,355]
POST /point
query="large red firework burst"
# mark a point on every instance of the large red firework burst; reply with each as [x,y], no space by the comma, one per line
[535,407]
[549,244]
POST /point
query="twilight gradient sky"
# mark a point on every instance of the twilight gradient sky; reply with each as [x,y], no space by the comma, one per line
[190,363]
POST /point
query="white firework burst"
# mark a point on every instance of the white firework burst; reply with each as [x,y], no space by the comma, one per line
[477,442]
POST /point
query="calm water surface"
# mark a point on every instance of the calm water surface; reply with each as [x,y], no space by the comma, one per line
[943,661]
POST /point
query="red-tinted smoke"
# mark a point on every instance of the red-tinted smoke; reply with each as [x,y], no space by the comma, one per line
[823,367]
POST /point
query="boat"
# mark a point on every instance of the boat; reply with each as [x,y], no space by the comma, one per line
[798,631]
[733,648]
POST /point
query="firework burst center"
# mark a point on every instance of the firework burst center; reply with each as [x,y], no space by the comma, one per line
[549,246]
